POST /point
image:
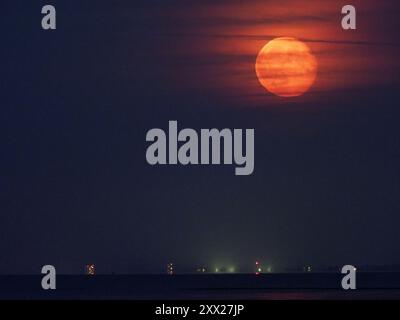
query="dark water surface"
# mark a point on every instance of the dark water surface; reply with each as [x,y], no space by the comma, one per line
[294,286]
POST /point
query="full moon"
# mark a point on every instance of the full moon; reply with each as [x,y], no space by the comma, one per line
[286,67]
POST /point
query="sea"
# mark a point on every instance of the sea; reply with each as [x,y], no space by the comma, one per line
[271,286]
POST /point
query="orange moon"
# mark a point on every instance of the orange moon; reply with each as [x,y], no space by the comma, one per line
[286,67]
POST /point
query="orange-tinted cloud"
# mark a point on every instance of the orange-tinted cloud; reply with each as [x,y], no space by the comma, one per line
[214,44]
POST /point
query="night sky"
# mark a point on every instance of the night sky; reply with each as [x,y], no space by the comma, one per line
[77,102]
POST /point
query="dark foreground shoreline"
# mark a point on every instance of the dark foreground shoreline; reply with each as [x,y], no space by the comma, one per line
[285,286]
